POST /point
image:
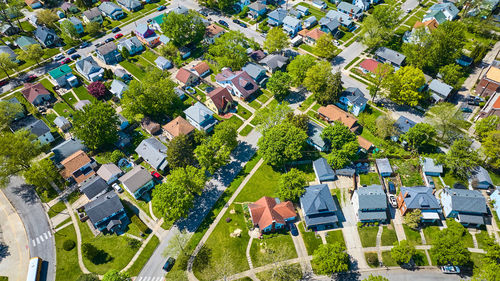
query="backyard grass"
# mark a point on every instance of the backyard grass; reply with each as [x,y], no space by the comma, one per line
[449,179]
[233,252]
[267,275]
[369,179]
[56,209]
[310,240]
[335,236]
[144,256]
[243,112]
[430,232]
[245,131]
[134,69]
[412,236]
[150,56]
[63,109]
[437,183]
[388,235]
[263,183]
[372,259]
[481,238]
[67,261]
[408,170]
[82,93]
[387,259]
[69,98]
[368,236]
[278,244]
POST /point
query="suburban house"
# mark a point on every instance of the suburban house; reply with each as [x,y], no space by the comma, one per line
[130,5]
[339,17]
[319,4]
[350,10]
[466,206]
[369,66]
[480,178]
[63,75]
[257,55]
[62,123]
[106,212]
[490,82]
[352,100]
[442,12]
[364,4]
[370,204]
[384,167]
[311,36]
[123,122]
[111,10]
[147,35]
[200,117]
[310,22]
[108,53]
[163,63]
[138,182]
[92,15]
[386,55]
[428,26]
[323,170]
[256,71]
[69,7]
[157,22]
[291,25]
[77,23]
[213,32]
[36,94]
[109,172]
[47,37]
[421,198]
[181,10]
[274,62]
[404,124]
[133,45]
[150,126]
[201,69]
[93,187]
[121,73]
[8,29]
[34,4]
[440,91]
[186,77]
[303,10]
[318,208]
[276,17]
[269,214]
[78,167]
[430,167]
[88,68]
[239,83]
[34,126]
[65,149]
[117,88]
[495,200]
[328,25]
[314,136]
[240,4]
[24,41]
[220,101]
[257,9]
[178,126]
[153,152]
[331,113]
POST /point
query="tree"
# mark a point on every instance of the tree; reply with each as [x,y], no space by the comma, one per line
[403,252]
[41,174]
[298,68]
[486,125]
[378,27]
[337,135]
[229,50]
[413,219]
[180,152]
[115,275]
[325,48]
[88,277]
[382,71]
[33,53]
[96,125]
[226,5]
[446,247]
[375,278]
[154,97]
[46,17]
[177,244]
[276,40]
[300,121]
[183,29]
[89,251]
[171,52]
[461,158]
[292,185]
[17,150]
[171,201]
[451,74]
[69,33]
[491,149]
[445,119]
[404,85]
[281,143]
[325,85]
[419,135]
[279,84]
[271,115]
[6,64]
[487,269]
[97,89]
[93,28]
[8,112]
[331,258]
[125,54]
[385,126]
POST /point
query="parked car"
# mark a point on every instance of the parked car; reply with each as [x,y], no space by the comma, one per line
[392,201]
[30,78]
[109,39]
[243,24]
[99,44]
[75,56]
[161,8]
[71,51]
[85,45]
[236,21]
[65,61]
[3,82]
[392,187]
[450,269]
[156,175]
[117,187]
[168,264]
[293,229]
[59,57]
[119,35]
[115,30]
[223,23]
[204,13]
[466,109]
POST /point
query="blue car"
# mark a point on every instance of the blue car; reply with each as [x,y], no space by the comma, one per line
[71,51]
[75,56]
[161,8]
[84,45]
[116,29]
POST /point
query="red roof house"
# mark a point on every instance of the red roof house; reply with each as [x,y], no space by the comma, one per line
[186,77]
[220,100]
[36,94]
[268,214]
[369,65]
[202,69]
[240,83]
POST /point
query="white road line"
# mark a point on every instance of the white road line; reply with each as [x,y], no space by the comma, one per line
[45,235]
[33,241]
[147,278]
[37,240]
[41,238]
[50,233]
[139,279]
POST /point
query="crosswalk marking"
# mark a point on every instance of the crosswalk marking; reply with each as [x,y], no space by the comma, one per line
[37,240]
[50,233]
[33,242]
[45,235]
[41,238]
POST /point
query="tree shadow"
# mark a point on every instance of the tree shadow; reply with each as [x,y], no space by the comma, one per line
[101,257]
[203,258]
[4,251]
[26,192]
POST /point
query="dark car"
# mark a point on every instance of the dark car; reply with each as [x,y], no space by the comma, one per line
[243,24]
[236,21]
[116,29]
[84,45]
[65,61]
[223,23]
[109,39]
[204,13]
[466,109]
[168,264]
[392,187]
[30,78]
[293,229]
[3,82]
[75,56]
[71,51]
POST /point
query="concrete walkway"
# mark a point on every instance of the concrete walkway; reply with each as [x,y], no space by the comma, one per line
[379,241]
[300,247]
[78,238]
[398,226]
[144,243]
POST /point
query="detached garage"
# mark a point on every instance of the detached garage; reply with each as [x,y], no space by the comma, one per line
[323,171]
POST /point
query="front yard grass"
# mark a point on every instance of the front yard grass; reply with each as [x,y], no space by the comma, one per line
[420,258]
[134,69]
[63,109]
[305,104]
[412,236]
[387,259]
[56,209]
[82,93]
[372,259]
[263,183]
[67,261]
[369,179]
[335,236]
[278,244]
[312,10]
[144,256]
[481,238]
[243,112]
[368,236]
[267,275]
[388,235]
[235,120]
[430,232]
[476,258]
[310,240]
[245,131]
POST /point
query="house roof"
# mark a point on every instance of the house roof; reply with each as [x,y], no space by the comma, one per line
[118,87]
[220,97]
[136,178]
[348,172]
[369,64]
[66,148]
[130,4]
[74,162]
[31,124]
[355,96]
[257,55]
[43,33]
[302,8]
[93,186]
[349,7]
[213,30]
[107,171]
[103,206]
[404,124]
[336,114]
[315,34]
[106,48]
[92,13]
[180,10]
[67,5]
[430,24]
[278,14]
[87,65]
[31,2]
[339,17]
[429,165]
[6,49]
[257,6]
[61,121]
[75,21]
[162,62]
[481,175]
[240,80]
[390,55]
[446,6]
[109,7]
[314,133]
[81,104]
[323,170]
[201,68]
[371,197]
[440,88]
[318,205]
[493,73]
[154,152]
[24,41]
[439,16]
[420,197]
[330,24]
[383,165]
[32,91]
[198,112]
[131,43]
[274,61]
[291,21]
[254,70]
[310,20]
[178,126]
[465,200]
[60,71]
[267,210]
[183,75]
[364,143]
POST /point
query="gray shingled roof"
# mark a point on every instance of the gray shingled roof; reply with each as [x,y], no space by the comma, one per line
[154,152]
[372,197]
[348,7]
[481,175]
[61,121]
[198,112]
[253,69]
[355,96]
[324,172]
[314,133]
[106,48]
[92,13]
[420,197]
[30,123]
[86,64]
[404,124]
[390,55]
[108,7]
[66,148]
[465,200]
[383,165]
[348,172]
[93,186]
[318,205]
[274,61]
[440,88]
[136,178]
[278,14]
[103,206]
[429,165]
[291,21]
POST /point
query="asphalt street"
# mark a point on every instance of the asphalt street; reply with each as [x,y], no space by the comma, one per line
[40,238]
[401,275]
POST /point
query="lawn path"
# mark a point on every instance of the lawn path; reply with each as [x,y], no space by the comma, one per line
[144,244]
[78,238]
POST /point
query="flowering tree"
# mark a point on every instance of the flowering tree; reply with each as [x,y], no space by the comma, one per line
[97,89]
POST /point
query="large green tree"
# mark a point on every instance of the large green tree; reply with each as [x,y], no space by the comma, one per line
[279,84]
[447,245]
[180,152]
[385,126]
[69,33]
[96,125]
[461,157]
[451,74]
[7,64]
[292,185]
[325,85]
[419,135]
[404,85]
[337,135]
[46,17]
[271,115]
[276,40]
[491,149]
[375,278]
[34,53]
[8,112]
[331,258]
[379,26]
[325,48]
[403,252]
[93,28]
[298,68]
[445,118]
[281,143]
[413,219]
[229,50]
[183,29]
[487,269]
[41,174]
[486,125]
[189,178]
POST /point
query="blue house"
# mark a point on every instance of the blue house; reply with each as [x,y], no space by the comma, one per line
[133,45]
[77,24]
[239,5]
[465,206]
[106,212]
[200,117]
[130,5]
[384,167]
[480,178]
[314,136]
[370,204]
[123,121]
[323,170]
[269,214]
[138,182]
[495,198]
[350,10]
[341,18]
[352,100]
[404,124]
[430,168]
[303,10]
[292,25]
[257,72]
[108,53]
[421,198]
[319,208]
[117,88]
[111,10]
[276,17]
[257,9]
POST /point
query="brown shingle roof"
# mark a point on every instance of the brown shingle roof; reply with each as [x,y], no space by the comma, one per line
[431,24]
[364,143]
[213,30]
[265,211]
[31,92]
[220,97]
[333,113]
[315,34]
[183,75]
[201,68]
[303,32]
[149,125]
[178,126]
[73,163]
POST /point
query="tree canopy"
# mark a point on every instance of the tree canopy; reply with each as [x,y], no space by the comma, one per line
[292,185]
[271,115]
[41,174]
[33,53]
[279,84]
[276,40]
[7,64]
[445,119]
[419,135]
[281,143]
[404,85]
[96,125]
[8,112]
[378,27]
[487,268]
[331,258]
[298,68]
[325,48]
[446,246]
[337,135]
[403,252]
[183,29]
[486,125]
[115,275]
[325,85]
[180,152]
[491,149]
[229,50]
[461,157]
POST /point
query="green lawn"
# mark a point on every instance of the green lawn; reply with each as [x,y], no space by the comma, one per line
[409,171]
[430,233]
[308,170]
[411,21]
[150,56]
[144,256]
[232,254]
[134,69]
[235,120]
[388,235]
[255,104]
[245,131]
[267,275]
[495,178]
[387,259]
[420,258]
[47,84]
[263,183]
[372,259]
[56,209]
[305,104]
[310,240]
[82,93]
[437,183]
[280,245]
[63,109]
[481,238]
[467,240]
[243,112]
[476,258]
[412,236]
[368,235]
[67,261]
[69,98]
[369,178]
[449,179]
[335,236]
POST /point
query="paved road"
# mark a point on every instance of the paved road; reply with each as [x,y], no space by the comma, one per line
[40,240]
[401,275]
[409,4]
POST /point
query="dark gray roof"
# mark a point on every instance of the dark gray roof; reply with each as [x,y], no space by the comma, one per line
[420,197]
[92,13]
[93,186]
[106,48]
[314,133]
[274,61]
[257,6]
[318,205]
[278,14]
[372,197]
[429,165]
[348,172]
[355,96]
[113,223]
[103,206]
[324,172]
[465,200]
[154,152]
[109,7]
[390,55]
[372,215]
[470,219]
[383,165]
[254,70]
[136,178]
[66,148]
[404,124]
[30,123]
[43,33]
[349,7]
[330,24]
[481,175]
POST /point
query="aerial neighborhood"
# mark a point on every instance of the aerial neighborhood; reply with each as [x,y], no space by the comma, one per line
[249,140]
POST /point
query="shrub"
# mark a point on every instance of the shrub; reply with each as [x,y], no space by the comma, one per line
[134,243]
[116,155]
[376,223]
[97,89]
[68,245]
[141,225]
[372,259]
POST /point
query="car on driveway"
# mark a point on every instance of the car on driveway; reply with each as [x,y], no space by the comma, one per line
[109,39]
[244,25]
[450,269]
[75,56]
[71,51]
[118,35]
[293,229]
[156,175]
[161,8]
[466,109]
[168,264]
[65,61]
[3,82]
[85,45]
[223,23]
[116,29]
[117,187]
[30,78]
[59,57]
[392,200]
[392,187]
